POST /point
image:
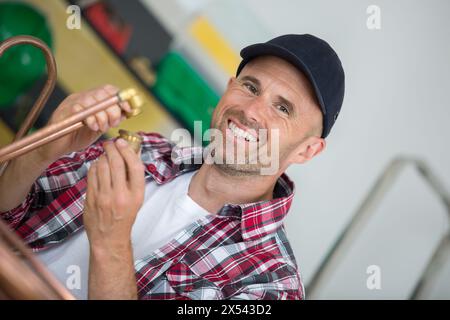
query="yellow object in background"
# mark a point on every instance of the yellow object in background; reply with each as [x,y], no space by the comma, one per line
[215,45]
[6,134]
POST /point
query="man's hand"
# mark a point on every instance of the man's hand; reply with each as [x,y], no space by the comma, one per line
[25,169]
[95,125]
[115,194]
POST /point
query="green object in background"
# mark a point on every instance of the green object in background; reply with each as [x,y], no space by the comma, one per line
[184,92]
[21,65]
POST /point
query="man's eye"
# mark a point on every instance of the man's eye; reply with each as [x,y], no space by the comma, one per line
[283,109]
[251,88]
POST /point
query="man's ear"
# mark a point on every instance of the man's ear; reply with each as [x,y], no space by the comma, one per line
[308,149]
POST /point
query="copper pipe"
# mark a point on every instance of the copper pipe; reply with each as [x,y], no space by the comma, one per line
[28,282]
[20,280]
[53,131]
[16,277]
[68,125]
[47,89]
[17,282]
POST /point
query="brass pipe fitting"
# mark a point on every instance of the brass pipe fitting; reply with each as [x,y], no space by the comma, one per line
[135,101]
[133,139]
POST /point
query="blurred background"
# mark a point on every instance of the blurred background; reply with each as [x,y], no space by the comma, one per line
[371,216]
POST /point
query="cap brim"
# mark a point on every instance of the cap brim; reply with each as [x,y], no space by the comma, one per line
[261,49]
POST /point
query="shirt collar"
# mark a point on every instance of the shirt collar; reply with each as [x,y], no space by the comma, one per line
[261,218]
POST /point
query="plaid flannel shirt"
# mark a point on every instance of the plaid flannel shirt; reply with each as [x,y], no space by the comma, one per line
[240,253]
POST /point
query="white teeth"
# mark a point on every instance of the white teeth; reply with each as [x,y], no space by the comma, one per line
[241,133]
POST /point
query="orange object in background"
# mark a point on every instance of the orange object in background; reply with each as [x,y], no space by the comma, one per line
[109,24]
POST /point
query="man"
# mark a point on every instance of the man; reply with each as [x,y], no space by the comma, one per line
[151,226]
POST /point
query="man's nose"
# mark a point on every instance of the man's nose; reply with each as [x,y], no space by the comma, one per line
[254,109]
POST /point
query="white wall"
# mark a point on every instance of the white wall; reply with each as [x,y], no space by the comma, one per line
[396,103]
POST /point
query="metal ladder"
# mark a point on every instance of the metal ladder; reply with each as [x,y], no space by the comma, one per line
[363,214]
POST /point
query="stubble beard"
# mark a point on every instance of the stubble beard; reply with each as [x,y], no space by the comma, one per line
[248,165]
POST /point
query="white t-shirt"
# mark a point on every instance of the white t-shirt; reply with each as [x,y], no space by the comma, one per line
[167,210]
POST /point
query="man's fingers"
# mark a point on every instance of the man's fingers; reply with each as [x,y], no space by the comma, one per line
[88,100]
[110,115]
[90,121]
[112,90]
[134,164]
[103,174]
[102,120]
[114,115]
[114,112]
[92,182]
[124,105]
[117,166]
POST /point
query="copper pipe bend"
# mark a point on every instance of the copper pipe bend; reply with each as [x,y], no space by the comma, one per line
[46,90]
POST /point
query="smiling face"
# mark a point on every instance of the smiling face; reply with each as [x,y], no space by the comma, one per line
[269,94]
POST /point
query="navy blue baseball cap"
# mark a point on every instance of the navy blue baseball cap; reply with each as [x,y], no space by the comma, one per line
[316,60]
